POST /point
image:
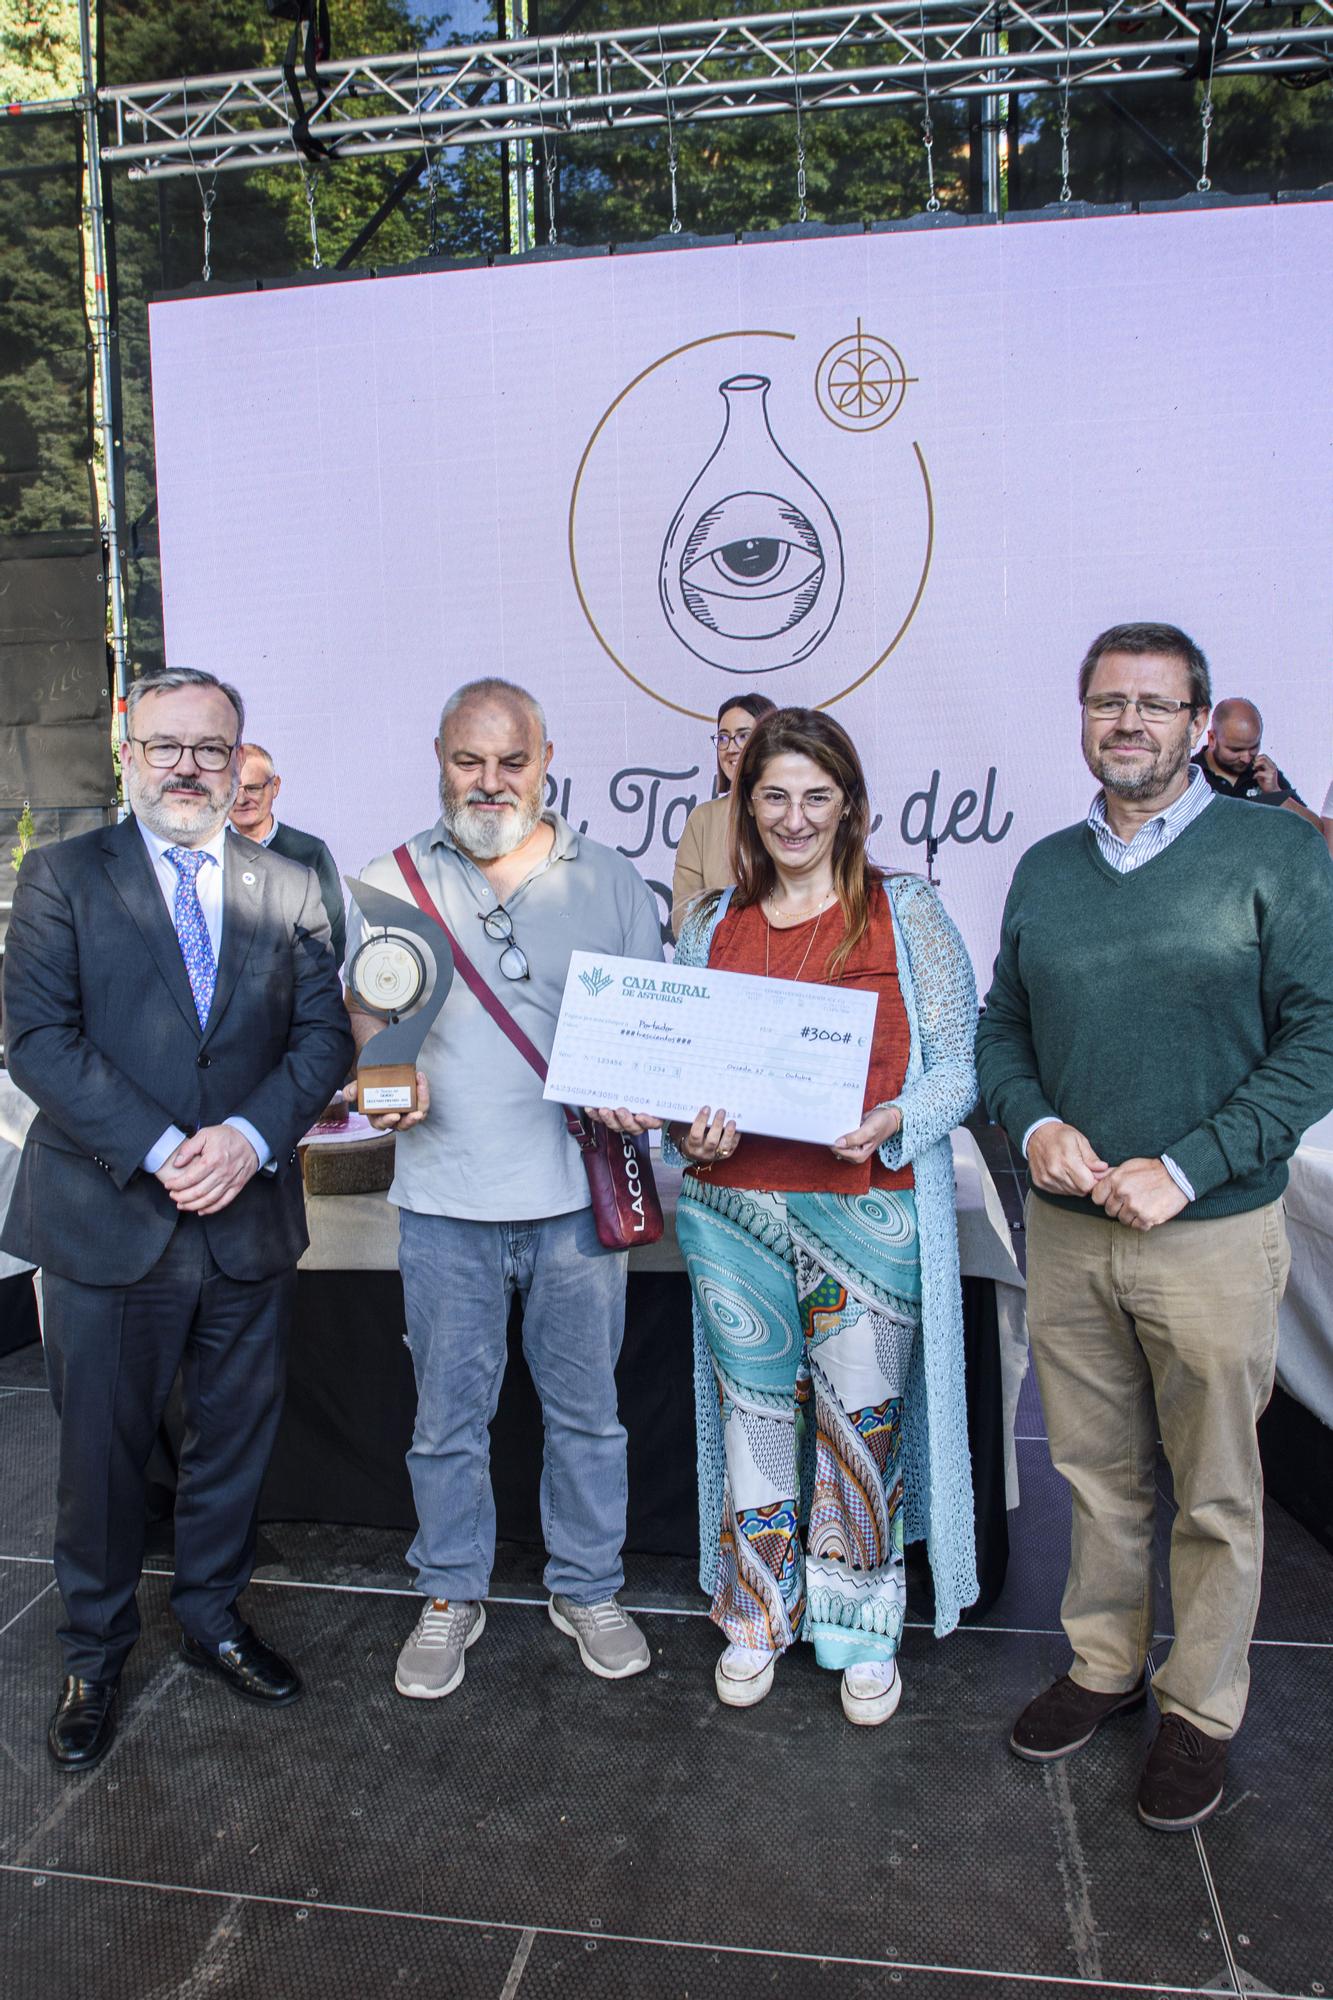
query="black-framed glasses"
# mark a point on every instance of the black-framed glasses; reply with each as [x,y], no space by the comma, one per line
[1150,707]
[161,754]
[725,738]
[499,928]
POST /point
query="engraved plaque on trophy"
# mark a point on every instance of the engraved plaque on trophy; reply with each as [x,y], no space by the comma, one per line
[402,972]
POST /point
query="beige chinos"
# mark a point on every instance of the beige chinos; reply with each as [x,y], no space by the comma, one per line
[1172,1332]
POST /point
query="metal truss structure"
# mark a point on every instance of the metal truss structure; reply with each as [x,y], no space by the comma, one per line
[534,91]
[686,72]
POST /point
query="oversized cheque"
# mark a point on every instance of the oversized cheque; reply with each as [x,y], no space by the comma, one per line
[781,1057]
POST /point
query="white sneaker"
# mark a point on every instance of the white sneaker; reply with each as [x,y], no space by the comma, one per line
[743,1675]
[871,1691]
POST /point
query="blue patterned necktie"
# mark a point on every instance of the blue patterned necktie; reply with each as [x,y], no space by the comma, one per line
[195,943]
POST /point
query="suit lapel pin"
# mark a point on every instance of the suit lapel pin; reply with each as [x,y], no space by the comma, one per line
[248,879]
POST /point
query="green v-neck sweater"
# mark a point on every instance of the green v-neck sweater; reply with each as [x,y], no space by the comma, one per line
[1186,1008]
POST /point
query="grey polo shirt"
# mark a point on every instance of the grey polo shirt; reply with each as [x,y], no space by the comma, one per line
[491,1149]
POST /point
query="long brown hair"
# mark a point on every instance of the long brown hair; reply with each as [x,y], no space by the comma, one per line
[807,732]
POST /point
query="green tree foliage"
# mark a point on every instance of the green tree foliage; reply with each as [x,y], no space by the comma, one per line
[1267,137]
[45,436]
[25,830]
[45,482]
[39,49]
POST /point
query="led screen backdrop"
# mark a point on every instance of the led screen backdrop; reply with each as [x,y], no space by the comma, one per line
[908,475]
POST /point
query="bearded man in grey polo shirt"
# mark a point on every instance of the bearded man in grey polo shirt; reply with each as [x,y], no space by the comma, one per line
[493,1198]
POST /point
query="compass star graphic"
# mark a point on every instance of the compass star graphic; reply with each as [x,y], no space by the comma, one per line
[861,382]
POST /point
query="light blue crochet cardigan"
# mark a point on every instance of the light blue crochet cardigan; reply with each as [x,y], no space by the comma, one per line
[939,991]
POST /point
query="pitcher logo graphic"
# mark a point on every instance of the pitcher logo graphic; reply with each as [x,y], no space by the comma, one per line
[751,574]
[861,382]
[596,981]
[786,536]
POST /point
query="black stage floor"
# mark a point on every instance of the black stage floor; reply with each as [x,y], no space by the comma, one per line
[540,1833]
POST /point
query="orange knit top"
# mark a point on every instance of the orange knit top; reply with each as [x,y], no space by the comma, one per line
[795,1166]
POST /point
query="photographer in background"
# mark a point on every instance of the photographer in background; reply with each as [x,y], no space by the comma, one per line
[1233,762]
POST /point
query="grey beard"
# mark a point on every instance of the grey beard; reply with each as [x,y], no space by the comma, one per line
[168,824]
[484,836]
[1149,783]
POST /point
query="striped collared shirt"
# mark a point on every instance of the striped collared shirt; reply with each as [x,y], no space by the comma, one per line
[1157,835]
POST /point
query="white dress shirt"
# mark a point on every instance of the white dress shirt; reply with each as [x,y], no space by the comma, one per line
[208,883]
[1152,839]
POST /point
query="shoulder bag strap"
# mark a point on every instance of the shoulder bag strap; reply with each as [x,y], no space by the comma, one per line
[473,980]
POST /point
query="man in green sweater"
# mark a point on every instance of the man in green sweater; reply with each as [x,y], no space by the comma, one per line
[1158,1036]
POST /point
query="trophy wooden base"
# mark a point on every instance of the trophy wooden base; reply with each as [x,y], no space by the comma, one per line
[386,1087]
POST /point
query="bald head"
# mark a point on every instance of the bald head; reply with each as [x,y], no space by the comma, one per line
[491,692]
[1235,736]
[1242,713]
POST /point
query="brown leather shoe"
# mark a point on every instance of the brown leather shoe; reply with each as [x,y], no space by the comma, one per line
[1065,1717]
[1182,1779]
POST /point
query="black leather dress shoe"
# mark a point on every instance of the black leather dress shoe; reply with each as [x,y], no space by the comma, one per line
[83,1727]
[248,1666]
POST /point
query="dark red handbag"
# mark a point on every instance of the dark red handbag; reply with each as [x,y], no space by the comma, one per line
[625,1203]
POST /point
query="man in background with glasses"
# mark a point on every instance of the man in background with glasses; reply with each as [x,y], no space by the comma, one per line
[1158,1035]
[173,1008]
[493,1198]
[254,814]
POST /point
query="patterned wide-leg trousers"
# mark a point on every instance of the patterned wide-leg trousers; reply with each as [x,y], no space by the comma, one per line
[810,1305]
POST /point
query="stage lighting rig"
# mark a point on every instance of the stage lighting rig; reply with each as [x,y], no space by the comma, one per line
[310,26]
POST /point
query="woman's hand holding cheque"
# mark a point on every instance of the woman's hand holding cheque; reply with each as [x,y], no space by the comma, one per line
[877,1126]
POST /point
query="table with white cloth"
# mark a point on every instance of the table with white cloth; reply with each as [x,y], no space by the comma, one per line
[1296,1432]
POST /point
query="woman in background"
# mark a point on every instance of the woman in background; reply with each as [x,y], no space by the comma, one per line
[703,858]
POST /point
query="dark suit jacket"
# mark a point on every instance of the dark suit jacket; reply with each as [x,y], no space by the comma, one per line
[309,849]
[102,1033]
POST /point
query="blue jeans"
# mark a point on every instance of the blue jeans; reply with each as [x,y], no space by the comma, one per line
[458,1281]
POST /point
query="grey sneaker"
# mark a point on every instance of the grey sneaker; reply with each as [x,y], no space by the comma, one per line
[432,1663]
[610,1643]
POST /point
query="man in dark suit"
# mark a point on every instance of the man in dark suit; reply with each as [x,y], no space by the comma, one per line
[173,1008]
[255,816]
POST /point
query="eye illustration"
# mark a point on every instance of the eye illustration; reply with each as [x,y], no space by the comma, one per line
[751,574]
[752,567]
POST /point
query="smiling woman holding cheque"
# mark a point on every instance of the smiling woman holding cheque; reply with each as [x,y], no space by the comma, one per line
[827,1302]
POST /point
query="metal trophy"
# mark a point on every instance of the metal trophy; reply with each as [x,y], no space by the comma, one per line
[402,972]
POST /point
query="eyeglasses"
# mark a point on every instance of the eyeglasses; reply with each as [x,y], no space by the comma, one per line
[256,791]
[162,755]
[725,738]
[499,927]
[814,806]
[1150,707]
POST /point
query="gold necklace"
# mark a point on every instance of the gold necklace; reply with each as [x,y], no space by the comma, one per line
[820,907]
[768,939]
